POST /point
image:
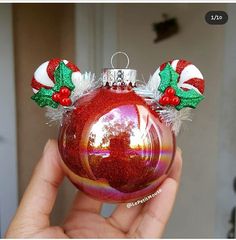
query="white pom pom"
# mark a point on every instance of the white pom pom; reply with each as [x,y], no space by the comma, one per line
[83,84]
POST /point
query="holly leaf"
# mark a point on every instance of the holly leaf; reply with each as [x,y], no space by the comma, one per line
[189,102]
[62,77]
[44,98]
[169,78]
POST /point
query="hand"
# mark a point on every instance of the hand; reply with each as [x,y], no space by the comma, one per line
[84,221]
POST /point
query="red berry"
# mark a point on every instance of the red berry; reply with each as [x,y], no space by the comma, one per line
[65,101]
[65,92]
[170,91]
[175,101]
[161,101]
[56,97]
[164,100]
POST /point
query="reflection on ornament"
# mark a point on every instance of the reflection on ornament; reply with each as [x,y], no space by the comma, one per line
[114,146]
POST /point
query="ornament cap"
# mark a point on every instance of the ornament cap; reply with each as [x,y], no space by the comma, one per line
[119,77]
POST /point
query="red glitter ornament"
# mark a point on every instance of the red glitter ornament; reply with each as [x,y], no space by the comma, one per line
[113,145]
[116,142]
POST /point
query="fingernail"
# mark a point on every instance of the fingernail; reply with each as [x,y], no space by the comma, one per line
[47,146]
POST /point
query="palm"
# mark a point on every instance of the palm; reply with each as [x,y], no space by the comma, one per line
[92,226]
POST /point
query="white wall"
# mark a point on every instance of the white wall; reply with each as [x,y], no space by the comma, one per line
[226,164]
[8,168]
[195,211]
[96,35]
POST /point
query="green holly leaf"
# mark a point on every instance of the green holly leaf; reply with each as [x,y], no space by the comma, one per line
[44,98]
[169,78]
[189,102]
[62,77]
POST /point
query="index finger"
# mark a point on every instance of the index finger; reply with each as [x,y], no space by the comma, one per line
[39,197]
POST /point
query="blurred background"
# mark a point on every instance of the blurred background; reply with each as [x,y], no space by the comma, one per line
[88,34]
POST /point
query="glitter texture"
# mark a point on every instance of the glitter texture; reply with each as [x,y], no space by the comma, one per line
[114,147]
[62,78]
[169,77]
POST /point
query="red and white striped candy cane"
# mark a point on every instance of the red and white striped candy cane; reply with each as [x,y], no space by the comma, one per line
[189,75]
[44,74]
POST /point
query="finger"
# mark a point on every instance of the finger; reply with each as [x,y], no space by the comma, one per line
[39,197]
[122,217]
[152,220]
[83,202]
[81,205]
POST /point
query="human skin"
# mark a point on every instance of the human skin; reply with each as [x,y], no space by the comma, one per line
[32,218]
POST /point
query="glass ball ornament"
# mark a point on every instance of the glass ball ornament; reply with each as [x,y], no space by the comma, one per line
[117,141]
[113,145]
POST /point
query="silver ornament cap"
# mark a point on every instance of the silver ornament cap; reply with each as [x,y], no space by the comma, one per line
[119,76]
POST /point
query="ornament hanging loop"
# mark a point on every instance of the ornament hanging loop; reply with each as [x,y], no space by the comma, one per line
[123,53]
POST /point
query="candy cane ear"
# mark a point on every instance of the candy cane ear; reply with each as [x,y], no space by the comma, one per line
[54,81]
[177,83]
[174,88]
